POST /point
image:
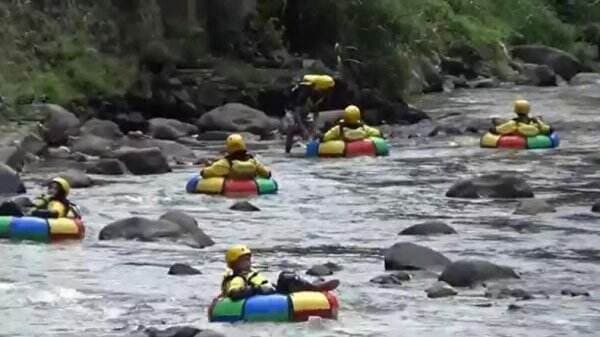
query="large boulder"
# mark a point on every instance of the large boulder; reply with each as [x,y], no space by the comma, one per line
[12,156]
[538,75]
[465,273]
[563,63]
[10,183]
[190,225]
[409,256]
[175,151]
[59,124]
[170,129]
[106,166]
[137,228]
[428,228]
[439,290]
[491,186]
[102,128]
[585,79]
[92,145]
[237,117]
[143,161]
[77,179]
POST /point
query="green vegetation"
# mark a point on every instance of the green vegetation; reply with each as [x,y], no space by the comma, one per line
[389,34]
[44,59]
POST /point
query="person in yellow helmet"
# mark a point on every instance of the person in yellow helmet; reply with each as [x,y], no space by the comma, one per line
[351,128]
[307,98]
[241,281]
[55,204]
[522,121]
[237,164]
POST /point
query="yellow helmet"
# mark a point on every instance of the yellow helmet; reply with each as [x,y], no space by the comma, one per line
[318,82]
[63,183]
[235,143]
[522,107]
[352,114]
[235,252]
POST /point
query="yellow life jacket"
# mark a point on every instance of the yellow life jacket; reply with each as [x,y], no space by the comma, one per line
[64,209]
[352,133]
[235,281]
[242,169]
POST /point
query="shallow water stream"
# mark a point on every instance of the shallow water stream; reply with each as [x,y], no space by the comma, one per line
[347,212]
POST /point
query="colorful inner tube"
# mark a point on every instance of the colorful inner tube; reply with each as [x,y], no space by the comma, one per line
[517,141]
[296,307]
[232,187]
[41,230]
[338,148]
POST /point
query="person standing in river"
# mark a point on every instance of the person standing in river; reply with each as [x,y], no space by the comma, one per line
[307,98]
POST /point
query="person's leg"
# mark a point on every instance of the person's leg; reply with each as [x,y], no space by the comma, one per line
[289,282]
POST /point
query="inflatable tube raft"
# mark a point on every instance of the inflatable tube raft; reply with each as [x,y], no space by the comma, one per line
[517,141]
[338,148]
[41,230]
[295,307]
[232,187]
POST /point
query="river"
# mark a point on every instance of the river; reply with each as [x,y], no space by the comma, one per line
[347,212]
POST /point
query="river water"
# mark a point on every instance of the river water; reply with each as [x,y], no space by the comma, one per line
[347,212]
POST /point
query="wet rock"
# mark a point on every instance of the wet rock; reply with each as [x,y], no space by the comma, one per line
[514,307]
[483,83]
[534,206]
[505,292]
[178,331]
[465,273]
[170,129]
[237,117]
[143,161]
[323,269]
[244,206]
[183,269]
[93,145]
[214,135]
[518,225]
[131,121]
[190,225]
[409,256]
[12,156]
[77,179]
[394,278]
[59,124]
[175,151]
[596,207]
[563,63]
[491,186]
[10,183]
[107,166]
[137,228]
[428,228]
[537,75]
[102,128]
[33,144]
[441,289]
[574,293]
[585,79]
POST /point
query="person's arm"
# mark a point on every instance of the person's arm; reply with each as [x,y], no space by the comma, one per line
[544,128]
[372,132]
[262,170]
[237,289]
[218,169]
[506,128]
[332,134]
